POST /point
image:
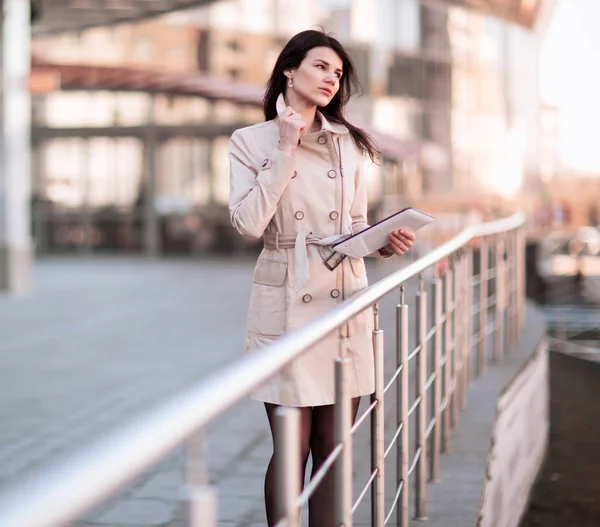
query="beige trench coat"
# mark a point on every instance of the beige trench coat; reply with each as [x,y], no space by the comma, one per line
[272,192]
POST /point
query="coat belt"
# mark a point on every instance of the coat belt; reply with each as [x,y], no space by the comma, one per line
[298,242]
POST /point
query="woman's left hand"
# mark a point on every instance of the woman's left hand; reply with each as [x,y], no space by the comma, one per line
[401,241]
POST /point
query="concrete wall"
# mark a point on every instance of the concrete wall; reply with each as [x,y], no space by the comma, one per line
[500,441]
[519,443]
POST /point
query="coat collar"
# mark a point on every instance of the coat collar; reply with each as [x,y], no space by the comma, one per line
[325,124]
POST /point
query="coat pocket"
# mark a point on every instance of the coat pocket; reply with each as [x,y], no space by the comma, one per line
[270,272]
[267,312]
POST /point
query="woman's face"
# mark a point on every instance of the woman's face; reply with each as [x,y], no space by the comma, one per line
[317,79]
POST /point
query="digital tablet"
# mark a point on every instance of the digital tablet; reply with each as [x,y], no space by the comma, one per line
[376,236]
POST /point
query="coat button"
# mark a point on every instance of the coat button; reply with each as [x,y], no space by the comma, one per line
[264,163]
[299,215]
[322,139]
[334,215]
[294,174]
[306,298]
[332,174]
[335,293]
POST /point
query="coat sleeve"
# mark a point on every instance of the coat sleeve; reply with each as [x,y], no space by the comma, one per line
[254,195]
[358,209]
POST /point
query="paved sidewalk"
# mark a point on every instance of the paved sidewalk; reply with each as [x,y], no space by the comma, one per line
[103,339]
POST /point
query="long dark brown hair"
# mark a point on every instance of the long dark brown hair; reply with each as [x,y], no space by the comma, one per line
[291,56]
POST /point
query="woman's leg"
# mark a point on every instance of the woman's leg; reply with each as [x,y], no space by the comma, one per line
[322,442]
[270,483]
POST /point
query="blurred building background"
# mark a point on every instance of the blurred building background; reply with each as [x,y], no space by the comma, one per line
[131,122]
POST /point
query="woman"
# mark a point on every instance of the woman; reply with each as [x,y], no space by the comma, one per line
[297,180]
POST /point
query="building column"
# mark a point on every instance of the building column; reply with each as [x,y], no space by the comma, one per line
[210,167]
[39,203]
[86,220]
[16,254]
[151,226]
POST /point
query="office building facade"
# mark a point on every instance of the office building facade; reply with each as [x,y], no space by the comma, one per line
[453,89]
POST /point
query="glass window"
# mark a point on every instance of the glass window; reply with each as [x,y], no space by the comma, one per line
[100,187]
[363,21]
[408,24]
[63,168]
[256,15]
[221,170]
[199,182]
[127,167]
[79,109]
[131,109]
[332,4]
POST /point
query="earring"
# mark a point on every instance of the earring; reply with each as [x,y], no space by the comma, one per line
[290,83]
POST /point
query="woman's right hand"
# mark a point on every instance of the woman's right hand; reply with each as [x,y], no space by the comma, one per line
[291,126]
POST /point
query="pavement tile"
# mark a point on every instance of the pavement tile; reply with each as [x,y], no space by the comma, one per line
[165,485]
[137,512]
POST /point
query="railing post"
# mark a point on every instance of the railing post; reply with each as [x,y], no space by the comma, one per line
[500,300]
[402,404]
[511,280]
[483,307]
[343,427]
[518,284]
[421,416]
[202,497]
[437,384]
[463,367]
[508,290]
[287,463]
[377,430]
[516,293]
[203,507]
[469,290]
[447,368]
[521,295]
[454,400]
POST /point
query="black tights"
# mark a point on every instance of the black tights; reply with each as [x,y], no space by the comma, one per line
[317,439]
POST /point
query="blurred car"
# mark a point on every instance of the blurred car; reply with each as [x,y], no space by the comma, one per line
[590,238]
[584,240]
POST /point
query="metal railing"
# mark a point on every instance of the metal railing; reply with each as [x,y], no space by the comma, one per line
[475,318]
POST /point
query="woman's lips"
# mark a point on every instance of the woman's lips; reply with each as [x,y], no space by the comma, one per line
[327,91]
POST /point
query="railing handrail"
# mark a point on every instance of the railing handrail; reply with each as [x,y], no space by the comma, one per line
[63,491]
